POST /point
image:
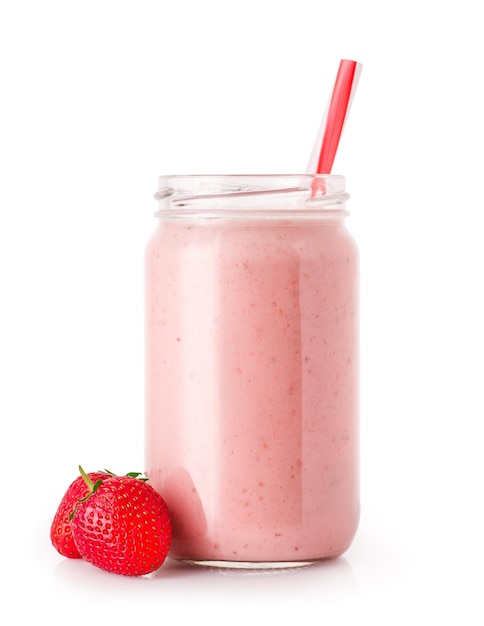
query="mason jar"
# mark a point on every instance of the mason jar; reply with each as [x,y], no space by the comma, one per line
[252,368]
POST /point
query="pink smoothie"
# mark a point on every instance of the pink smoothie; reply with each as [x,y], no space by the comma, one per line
[251,410]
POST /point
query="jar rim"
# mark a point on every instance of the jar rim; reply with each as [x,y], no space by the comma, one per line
[311,192]
[253,175]
[223,178]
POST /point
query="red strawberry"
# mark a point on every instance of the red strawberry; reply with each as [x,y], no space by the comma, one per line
[61,528]
[122,526]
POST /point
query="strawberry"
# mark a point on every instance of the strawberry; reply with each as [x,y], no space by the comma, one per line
[61,529]
[122,525]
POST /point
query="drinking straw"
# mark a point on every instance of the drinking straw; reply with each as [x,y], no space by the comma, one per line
[327,141]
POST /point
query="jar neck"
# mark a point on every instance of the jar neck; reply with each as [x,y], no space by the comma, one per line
[294,196]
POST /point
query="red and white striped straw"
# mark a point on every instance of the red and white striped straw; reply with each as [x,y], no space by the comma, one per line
[327,141]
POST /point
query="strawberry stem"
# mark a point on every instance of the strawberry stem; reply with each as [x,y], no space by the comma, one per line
[92,488]
[87,480]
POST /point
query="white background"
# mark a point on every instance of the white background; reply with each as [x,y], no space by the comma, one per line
[97,98]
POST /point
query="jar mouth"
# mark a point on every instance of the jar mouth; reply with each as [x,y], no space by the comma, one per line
[250,193]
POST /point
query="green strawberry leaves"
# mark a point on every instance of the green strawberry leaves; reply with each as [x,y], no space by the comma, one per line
[94,486]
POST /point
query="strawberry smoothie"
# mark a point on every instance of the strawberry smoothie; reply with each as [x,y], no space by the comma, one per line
[252,378]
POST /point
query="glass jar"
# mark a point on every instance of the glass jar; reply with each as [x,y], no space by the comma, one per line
[252,368]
